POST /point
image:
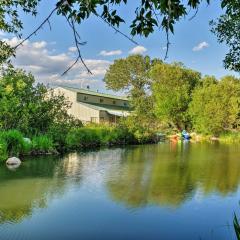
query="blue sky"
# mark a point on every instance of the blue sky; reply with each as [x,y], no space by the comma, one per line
[49,52]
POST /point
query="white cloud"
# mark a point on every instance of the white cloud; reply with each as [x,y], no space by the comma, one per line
[41,44]
[110,53]
[200,46]
[72,49]
[47,65]
[138,50]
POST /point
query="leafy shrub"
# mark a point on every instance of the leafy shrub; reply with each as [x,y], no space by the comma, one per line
[230,137]
[42,144]
[14,141]
[98,135]
[82,137]
[59,131]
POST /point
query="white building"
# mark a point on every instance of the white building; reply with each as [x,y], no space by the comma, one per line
[90,106]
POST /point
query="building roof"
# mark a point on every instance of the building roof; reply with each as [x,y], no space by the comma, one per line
[89,92]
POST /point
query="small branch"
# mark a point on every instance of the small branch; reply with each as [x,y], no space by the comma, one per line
[194,15]
[77,43]
[70,67]
[118,31]
[77,34]
[168,27]
[49,24]
[168,44]
[37,29]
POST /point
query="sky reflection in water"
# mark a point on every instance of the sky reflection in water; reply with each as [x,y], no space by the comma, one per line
[164,191]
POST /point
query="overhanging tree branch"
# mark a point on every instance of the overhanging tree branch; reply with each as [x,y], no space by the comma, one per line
[77,44]
[46,20]
[118,31]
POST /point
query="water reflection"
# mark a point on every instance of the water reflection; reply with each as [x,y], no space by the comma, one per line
[171,174]
[159,175]
[33,184]
[39,180]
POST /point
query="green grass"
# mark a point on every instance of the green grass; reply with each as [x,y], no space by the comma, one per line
[42,144]
[97,136]
[14,142]
[230,137]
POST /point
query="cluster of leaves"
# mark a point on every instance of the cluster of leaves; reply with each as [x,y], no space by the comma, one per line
[215,106]
[172,89]
[149,16]
[32,109]
[227,29]
[11,23]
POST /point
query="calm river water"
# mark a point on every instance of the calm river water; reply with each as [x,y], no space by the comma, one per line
[165,191]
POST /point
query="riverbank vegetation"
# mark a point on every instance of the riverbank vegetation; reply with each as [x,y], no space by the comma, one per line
[35,121]
[166,98]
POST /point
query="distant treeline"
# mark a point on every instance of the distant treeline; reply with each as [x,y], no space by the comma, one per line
[168,97]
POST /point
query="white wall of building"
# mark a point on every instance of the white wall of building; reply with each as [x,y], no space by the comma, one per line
[77,109]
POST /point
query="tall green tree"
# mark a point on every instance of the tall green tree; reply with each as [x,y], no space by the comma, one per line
[172,88]
[131,75]
[215,106]
[30,108]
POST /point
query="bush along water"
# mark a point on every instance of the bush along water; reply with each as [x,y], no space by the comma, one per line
[42,145]
[94,136]
[13,143]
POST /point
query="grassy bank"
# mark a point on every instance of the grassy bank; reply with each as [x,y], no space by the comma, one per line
[14,143]
[227,137]
[233,137]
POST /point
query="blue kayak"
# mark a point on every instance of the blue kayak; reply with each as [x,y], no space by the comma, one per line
[185,135]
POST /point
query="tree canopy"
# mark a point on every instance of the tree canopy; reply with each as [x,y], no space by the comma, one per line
[149,16]
[215,105]
[131,75]
[227,30]
[172,88]
[30,108]
[171,96]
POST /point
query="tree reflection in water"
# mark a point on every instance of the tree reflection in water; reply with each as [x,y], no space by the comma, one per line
[170,175]
[137,176]
[34,183]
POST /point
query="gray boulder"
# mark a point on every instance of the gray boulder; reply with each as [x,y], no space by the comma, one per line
[13,161]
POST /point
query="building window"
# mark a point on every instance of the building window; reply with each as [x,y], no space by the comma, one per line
[101,100]
[125,104]
[85,98]
[93,119]
[114,102]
